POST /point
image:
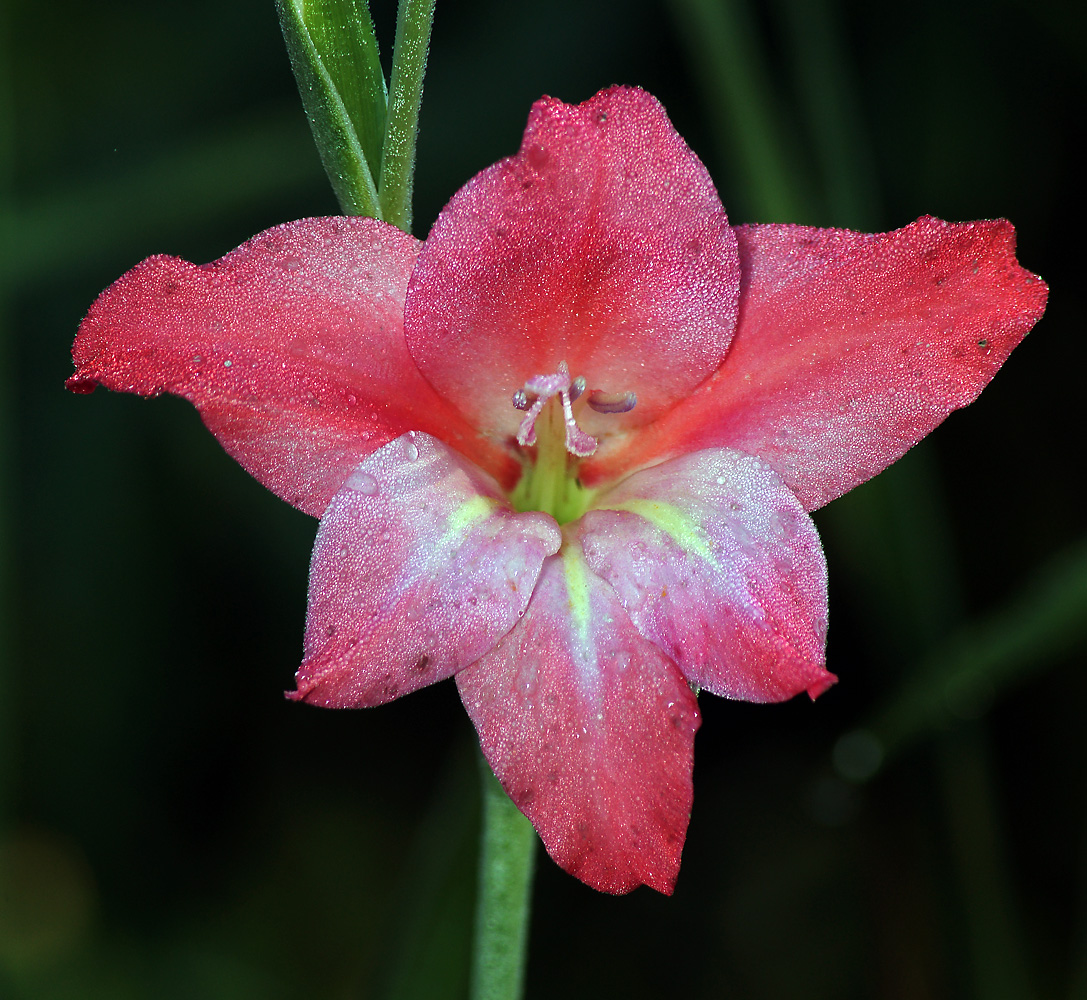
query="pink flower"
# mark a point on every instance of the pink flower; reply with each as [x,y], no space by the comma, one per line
[565,449]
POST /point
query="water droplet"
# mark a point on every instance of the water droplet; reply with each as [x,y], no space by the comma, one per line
[228,363]
[197,359]
[720,480]
[362,482]
[411,449]
[537,157]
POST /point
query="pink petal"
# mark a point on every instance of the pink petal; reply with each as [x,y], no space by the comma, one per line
[851,348]
[291,347]
[602,243]
[717,563]
[419,568]
[590,729]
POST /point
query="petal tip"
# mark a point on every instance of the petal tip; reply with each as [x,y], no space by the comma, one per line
[81,384]
[822,685]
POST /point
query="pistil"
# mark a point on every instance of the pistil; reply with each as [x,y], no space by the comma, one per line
[538,391]
[549,482]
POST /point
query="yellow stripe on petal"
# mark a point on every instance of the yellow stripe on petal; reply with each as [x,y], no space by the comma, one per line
[577,592]
[466,515]
[686,532]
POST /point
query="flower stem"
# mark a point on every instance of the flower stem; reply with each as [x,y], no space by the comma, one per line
[413,22]
[502,907]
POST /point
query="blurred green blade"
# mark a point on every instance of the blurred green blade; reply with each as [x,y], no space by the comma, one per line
[728,56]
[961,676]
[334,55]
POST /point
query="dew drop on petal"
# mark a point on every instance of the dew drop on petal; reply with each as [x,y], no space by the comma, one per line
[537,157]
[362,482]
[411,449]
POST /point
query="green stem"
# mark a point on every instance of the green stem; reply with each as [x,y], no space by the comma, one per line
[413,23]
[502,907]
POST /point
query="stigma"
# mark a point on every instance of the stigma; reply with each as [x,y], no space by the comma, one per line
[541,389]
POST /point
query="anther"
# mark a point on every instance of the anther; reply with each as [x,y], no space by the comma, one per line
[612,402]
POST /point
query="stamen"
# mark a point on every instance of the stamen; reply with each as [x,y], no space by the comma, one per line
[612,402]
[526,433]
[577,441]
[534,397]
[539,389]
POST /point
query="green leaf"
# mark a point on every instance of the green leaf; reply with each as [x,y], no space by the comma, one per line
[334,55]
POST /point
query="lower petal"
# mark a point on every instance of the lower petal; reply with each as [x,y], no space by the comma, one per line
[419,568]
[590,729]
[718,564]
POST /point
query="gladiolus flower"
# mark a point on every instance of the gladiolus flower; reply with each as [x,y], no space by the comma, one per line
[565,450]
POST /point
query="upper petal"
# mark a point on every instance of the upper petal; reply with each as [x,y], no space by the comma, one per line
[602,243]
[590,729]
[850,348]
[717,563]
[291,347]
[419,568]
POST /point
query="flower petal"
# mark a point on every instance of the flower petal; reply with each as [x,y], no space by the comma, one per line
[717,563]
[419,568]
[851,348]
[602,243]
[291,347]
[590,729]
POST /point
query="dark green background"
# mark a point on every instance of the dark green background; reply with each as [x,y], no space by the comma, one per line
[171,827]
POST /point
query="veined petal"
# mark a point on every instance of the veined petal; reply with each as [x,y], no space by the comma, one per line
[590,729]
[602,243]
[291,347]
[419,568]
[850,348]
[719,565]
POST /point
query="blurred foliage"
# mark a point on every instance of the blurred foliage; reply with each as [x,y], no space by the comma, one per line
[169,826]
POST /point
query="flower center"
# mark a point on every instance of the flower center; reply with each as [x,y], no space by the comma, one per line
[550,483]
